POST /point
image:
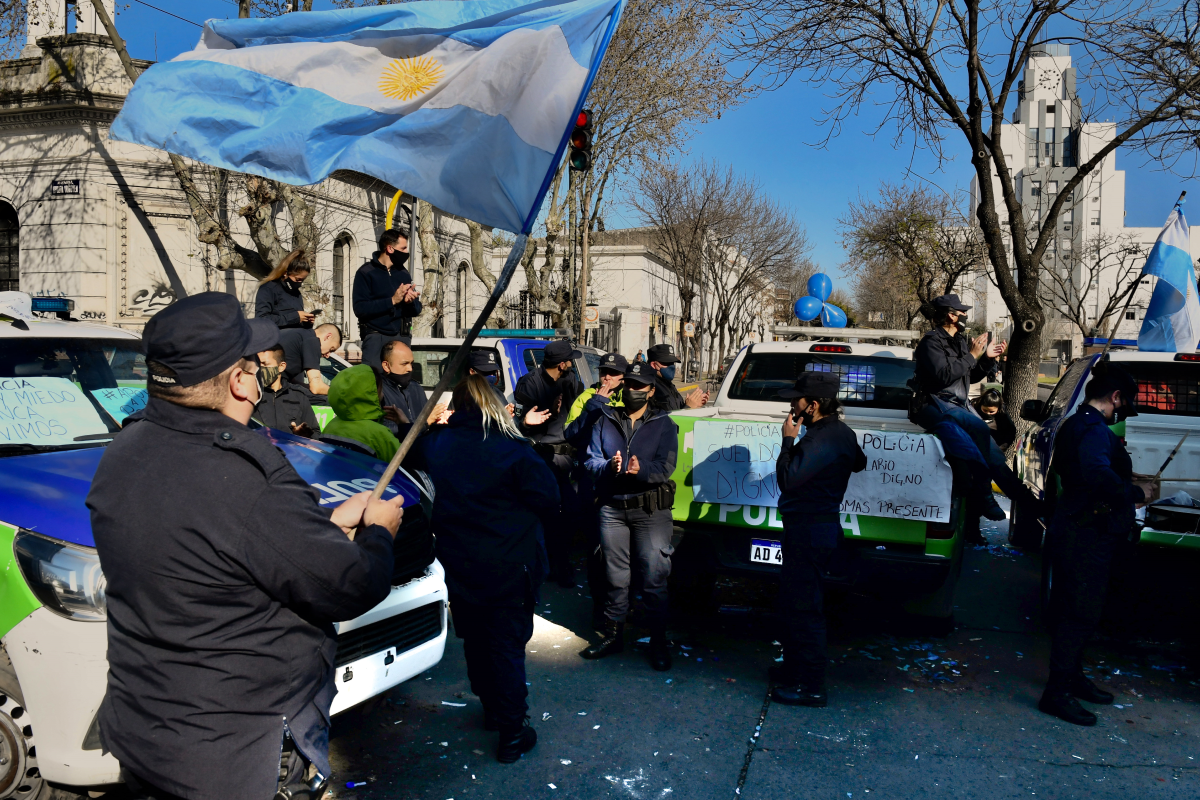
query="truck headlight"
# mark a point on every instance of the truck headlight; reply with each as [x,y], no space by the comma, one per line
[65,578]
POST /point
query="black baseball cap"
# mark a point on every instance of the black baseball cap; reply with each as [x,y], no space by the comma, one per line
[558,352]
[639,373]
[484,361]
[614,362]
[201,336]
[950,301]
[813,384]
[662,353]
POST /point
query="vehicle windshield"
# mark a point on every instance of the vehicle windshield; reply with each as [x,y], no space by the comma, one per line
[60,393]
[866,381]
[430,361]
[1166,387]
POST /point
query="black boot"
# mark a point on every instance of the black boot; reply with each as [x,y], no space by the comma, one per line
[515,742]
[991,509]
[1084,689]
[800,696]
[613,641]
[660,653]
[1059,703]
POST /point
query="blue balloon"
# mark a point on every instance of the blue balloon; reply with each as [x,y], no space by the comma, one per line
[832,316]
[820,287]
[807,308]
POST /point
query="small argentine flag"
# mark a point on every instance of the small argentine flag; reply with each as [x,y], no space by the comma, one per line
[1172,323]
[467,105]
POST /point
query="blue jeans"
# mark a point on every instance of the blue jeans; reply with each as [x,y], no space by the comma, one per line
[967,438]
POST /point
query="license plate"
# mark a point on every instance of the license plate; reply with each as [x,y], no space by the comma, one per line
[765,551]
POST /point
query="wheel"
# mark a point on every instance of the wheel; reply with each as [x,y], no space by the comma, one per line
[20,778]
[1024,531]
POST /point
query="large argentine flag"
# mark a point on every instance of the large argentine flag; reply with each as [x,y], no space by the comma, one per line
[467,105]
[1172,322]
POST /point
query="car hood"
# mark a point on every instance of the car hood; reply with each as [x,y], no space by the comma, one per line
[45,492]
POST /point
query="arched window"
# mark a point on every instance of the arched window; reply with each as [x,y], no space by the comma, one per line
[10,249]
[341,255]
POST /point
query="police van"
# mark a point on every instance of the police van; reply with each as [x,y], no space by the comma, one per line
[65,386]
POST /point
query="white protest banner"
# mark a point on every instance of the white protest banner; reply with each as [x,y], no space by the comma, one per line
[907,476]
[121,401]
[45,411]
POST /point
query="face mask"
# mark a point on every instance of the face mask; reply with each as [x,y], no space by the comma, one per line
[1122,413]
[492,379]
[667,372]
[291,284]
[401,380]
[267,376]
[636,399]
[258,399]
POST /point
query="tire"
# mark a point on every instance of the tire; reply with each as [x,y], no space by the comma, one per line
[20,778]
[1024,531]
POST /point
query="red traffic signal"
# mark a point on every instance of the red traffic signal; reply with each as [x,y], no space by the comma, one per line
[580,155]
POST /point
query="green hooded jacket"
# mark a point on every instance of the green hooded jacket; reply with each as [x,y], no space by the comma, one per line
[354,398]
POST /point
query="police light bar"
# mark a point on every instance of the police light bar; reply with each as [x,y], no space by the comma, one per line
[830,348]
[52,305]
[524,333]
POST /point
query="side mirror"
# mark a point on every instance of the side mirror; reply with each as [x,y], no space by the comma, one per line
[1033,410]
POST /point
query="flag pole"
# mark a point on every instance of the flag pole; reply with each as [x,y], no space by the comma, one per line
[1132,292]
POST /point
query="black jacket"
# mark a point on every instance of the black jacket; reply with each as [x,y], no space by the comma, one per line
[491,496]
[1096,474]
[946,368]
[374,286]
[278,303]
[290,404]
[540,390]
[410,400]
[666,396]
[654,439]
[813,471]
[224,578]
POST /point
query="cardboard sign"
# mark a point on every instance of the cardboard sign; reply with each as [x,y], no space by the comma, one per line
[907,476]
[47,411]
[121,401]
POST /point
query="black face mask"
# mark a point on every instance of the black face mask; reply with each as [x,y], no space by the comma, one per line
[291,285]
[401,380]
[635,399]
[399,259]
[1123,413]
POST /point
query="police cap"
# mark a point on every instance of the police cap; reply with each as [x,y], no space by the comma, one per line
[813,384]
[662,353]
[558,352]
[950,301]
[613,362]
[203,335]
[639,373]
[484,361]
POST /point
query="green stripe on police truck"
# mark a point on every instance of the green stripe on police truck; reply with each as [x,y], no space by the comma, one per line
[16,601]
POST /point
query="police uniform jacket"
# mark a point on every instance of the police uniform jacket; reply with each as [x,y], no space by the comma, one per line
[374,286]
[946,368]
[278,409]
[654,439]
[666,396]
[1096,474]
[410,400]
[280,302]
[814,470]
[539,389]
[224,575]
[491,496]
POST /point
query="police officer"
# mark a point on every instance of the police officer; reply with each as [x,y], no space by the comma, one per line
[947,364]
[631,457]
[812,474]
[225,576]
[1093,515]
[384,298]
[543,399]
[400,398]
[666,396]
[484,363]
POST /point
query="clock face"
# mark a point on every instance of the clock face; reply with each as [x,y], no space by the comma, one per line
[1048,79]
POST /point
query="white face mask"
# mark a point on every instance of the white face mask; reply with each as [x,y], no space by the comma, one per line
[257,386]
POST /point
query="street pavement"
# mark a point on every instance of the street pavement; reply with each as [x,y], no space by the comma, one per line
[911,715]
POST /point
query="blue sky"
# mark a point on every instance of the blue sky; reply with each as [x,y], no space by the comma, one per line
[766,137]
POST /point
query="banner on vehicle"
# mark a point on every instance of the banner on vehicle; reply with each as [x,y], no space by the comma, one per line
[45,411]
[907,476]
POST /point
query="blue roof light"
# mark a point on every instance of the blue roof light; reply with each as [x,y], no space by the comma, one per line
[52,304]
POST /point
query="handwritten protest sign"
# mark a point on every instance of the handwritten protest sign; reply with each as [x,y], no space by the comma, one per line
[45,411]
[121,401]
[907,476]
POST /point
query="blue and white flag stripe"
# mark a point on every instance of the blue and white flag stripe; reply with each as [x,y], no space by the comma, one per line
[466,105]
[1172,322]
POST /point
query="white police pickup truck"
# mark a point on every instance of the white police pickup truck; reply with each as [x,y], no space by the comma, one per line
[64,388]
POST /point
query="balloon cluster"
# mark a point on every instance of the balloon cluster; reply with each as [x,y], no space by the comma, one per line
[814,305]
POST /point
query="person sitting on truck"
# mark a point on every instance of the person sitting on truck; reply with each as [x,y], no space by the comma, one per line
[493,493]
[631,457]
[401,399]
[666,396]
[279,299]
[354,398]
[303,351]
[1093,515]
[990,407]
[947,364]
[282,407]
[224,575]
[384,298]
[812,474]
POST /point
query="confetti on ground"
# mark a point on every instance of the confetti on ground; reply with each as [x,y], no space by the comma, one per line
[455,705]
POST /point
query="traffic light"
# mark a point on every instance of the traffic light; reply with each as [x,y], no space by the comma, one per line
[580,154]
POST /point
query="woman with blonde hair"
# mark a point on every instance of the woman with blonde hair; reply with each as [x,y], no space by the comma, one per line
[491,491]
[279,298]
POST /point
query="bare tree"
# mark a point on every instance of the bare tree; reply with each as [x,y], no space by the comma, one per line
[1092,283]
[955,66]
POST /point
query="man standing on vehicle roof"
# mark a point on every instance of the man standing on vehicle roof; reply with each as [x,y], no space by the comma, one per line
[947,364]
[384,298]
[666,396]
[1094,514]
[225,575]
[812,474]
[543,399]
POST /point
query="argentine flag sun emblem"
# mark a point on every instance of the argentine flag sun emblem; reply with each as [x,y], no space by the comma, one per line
[404,79]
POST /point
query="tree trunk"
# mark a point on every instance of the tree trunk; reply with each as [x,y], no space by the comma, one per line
[431,273]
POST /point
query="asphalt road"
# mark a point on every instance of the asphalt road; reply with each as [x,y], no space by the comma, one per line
[910,715]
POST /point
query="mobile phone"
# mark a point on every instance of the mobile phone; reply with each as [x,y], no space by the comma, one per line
[316,312]
[989,339]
